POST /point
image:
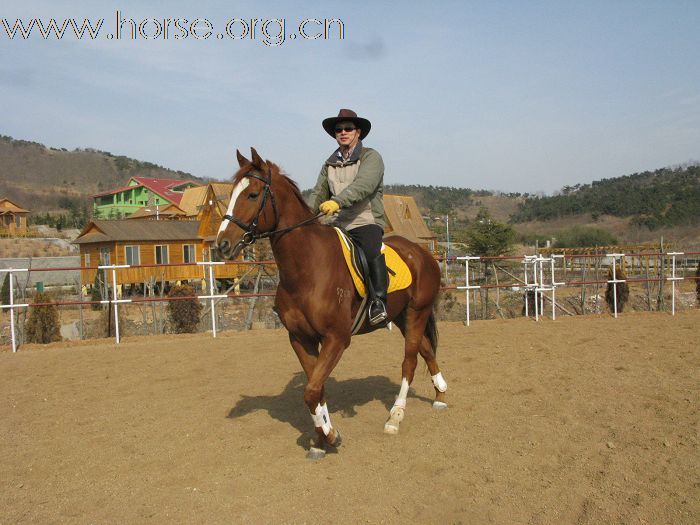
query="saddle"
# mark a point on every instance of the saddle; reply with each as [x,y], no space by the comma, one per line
[399,273]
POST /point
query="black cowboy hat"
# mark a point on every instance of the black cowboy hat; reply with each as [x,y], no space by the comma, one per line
[347,115]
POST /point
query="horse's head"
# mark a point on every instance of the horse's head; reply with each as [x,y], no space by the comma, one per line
[251,210]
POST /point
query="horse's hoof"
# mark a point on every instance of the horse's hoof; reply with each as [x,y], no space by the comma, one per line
[439,405]
[315,453]
[338,439]
[391,428]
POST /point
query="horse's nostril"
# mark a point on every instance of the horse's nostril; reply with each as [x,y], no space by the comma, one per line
[224,246]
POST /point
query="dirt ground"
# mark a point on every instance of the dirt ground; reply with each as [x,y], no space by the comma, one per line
[581,420]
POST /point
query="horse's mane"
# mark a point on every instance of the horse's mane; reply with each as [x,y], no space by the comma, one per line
[275,169]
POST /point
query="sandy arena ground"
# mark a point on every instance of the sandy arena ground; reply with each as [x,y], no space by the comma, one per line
[582,420]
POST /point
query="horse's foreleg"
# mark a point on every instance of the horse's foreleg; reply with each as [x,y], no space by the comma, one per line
[331,350]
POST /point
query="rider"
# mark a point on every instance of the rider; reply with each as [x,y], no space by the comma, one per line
[351,184]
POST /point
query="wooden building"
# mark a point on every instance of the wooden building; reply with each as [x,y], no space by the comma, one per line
[405,219]
[139,192]
[165,212]
[13,219]
[145,242]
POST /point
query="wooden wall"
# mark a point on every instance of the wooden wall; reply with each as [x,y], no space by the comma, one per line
[147,254]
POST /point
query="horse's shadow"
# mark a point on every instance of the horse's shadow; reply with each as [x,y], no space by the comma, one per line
[344,396]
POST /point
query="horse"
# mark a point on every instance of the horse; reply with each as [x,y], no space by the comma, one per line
[316,299]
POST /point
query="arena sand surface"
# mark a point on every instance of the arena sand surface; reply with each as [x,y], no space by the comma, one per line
[582,420]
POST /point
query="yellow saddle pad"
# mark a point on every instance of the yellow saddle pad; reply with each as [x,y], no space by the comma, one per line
[399,274]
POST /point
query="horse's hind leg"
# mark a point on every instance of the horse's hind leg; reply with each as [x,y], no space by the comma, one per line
[439,383]
[412,325]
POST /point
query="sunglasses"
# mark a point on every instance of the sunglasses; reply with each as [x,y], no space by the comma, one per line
[347,129]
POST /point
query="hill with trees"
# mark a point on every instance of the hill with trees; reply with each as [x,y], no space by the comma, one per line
[46,179]
[661,198]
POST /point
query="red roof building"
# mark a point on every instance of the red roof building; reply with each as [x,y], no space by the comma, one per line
[140,192]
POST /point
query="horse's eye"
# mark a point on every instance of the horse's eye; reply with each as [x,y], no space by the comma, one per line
[252,196]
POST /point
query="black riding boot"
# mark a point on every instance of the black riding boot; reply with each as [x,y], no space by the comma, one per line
[380,282]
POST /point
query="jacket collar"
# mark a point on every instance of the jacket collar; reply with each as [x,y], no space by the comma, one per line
[336,158]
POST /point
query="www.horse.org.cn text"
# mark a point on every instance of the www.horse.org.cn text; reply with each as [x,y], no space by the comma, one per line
[271,32]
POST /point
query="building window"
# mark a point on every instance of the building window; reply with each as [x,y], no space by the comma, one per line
[104,256]
[189,253]
[18,221]
[87,259]
[132,255]
[162,254]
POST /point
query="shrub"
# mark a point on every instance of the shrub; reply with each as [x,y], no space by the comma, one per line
[623,290]
[96,294]
[530,294]
[584,236]
[184,313]
[43,325]
[5,292]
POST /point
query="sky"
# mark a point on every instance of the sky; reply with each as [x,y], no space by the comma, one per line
[508,96]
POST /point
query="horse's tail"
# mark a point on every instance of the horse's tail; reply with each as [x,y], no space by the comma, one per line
[431,331]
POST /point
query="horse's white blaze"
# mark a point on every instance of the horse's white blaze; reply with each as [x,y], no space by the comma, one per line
[439,382]
[243,184]
[322,418]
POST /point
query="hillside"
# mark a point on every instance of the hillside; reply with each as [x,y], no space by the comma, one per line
[49,179]
[662,198]
[635,208]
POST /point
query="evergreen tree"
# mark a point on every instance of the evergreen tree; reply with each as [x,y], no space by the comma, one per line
[487,237]
[43,325]
[5,292]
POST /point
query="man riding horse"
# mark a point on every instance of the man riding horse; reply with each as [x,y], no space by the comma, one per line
[351,185]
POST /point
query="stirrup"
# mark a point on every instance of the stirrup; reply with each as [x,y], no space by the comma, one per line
[380,316]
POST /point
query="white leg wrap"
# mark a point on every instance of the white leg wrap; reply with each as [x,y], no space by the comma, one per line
[322,418]
[439,382]
[403,393]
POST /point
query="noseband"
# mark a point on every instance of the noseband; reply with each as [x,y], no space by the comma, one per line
[251,234]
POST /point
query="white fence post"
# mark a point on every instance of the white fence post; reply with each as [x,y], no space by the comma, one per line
[467,287]
[12,305]
[211,295]
[554,285]
[530,259]
[116,300]
[615,280]
[673,280]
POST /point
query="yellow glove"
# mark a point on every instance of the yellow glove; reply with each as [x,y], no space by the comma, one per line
[329,207]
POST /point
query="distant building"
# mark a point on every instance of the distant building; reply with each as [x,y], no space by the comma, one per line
[154,244]
[13,219]
[140,192]
[196,199]
[405,219]
[165,212]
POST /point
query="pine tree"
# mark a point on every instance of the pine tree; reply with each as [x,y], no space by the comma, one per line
[43,325]
[5,292]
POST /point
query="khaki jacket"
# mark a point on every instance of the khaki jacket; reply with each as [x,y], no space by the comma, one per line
[357,184]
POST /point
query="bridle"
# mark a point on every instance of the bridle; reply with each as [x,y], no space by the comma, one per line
[251,234]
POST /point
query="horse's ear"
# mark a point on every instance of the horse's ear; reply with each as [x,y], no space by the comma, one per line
[242,161]
[257,159]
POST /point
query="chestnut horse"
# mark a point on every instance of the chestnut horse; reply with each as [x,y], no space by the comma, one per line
[316,299]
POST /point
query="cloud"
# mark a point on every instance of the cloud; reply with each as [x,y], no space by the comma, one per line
[373,49]
[16,77]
